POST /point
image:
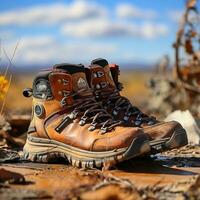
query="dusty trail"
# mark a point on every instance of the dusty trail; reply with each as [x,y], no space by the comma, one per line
[170,176]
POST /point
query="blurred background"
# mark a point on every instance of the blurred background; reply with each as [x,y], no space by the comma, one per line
[37,34]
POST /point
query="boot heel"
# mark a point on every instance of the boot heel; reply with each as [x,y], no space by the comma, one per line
[41,152]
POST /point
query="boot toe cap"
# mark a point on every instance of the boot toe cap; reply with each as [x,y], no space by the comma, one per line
[120,138]
[162,130]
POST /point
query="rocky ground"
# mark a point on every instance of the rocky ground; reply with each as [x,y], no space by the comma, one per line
[172,175]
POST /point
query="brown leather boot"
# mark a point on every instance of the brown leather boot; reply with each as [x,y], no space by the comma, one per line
[103,78]
[68,122]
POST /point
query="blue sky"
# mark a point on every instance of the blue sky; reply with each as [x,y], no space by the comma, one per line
[80,30]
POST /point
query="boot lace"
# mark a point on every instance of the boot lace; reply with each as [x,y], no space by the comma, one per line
[90,111]
[117,103]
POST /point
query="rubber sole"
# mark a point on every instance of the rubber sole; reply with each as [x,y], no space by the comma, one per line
[45,150]
[178,139]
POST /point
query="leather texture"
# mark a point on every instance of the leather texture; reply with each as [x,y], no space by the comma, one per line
[101,78]
[162,130]
[158,130]
[63,85]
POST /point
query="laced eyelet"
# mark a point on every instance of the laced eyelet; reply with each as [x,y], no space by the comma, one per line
[65,93]
[137,122]
[67,99]
[128,114]
[91,128]
[104,130]
[63,102]
[139,118]
[116,111]
[103,84]
[73,115]
[83,120]
[92,111]
[151,122]
[65,81]
[99,74]
[126,118]
[116,104]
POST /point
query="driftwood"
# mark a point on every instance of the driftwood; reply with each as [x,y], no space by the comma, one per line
[188,39]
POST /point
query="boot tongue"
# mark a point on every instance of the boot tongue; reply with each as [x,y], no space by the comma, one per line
[101,77]
[80,82]
[77,73]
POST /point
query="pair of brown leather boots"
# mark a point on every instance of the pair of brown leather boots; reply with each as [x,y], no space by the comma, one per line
[79,115]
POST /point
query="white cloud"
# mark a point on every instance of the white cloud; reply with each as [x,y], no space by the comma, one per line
[126,10]
[79,19]
[6,34]
[37,42]
[105,28]
[95,28]
[46,49]
[152,30]
[52,14]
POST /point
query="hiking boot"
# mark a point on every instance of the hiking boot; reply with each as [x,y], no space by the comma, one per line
[103,79]
[68,122]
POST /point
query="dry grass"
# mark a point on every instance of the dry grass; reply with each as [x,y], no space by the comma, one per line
[134,85]
[16,102]
[3,87]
